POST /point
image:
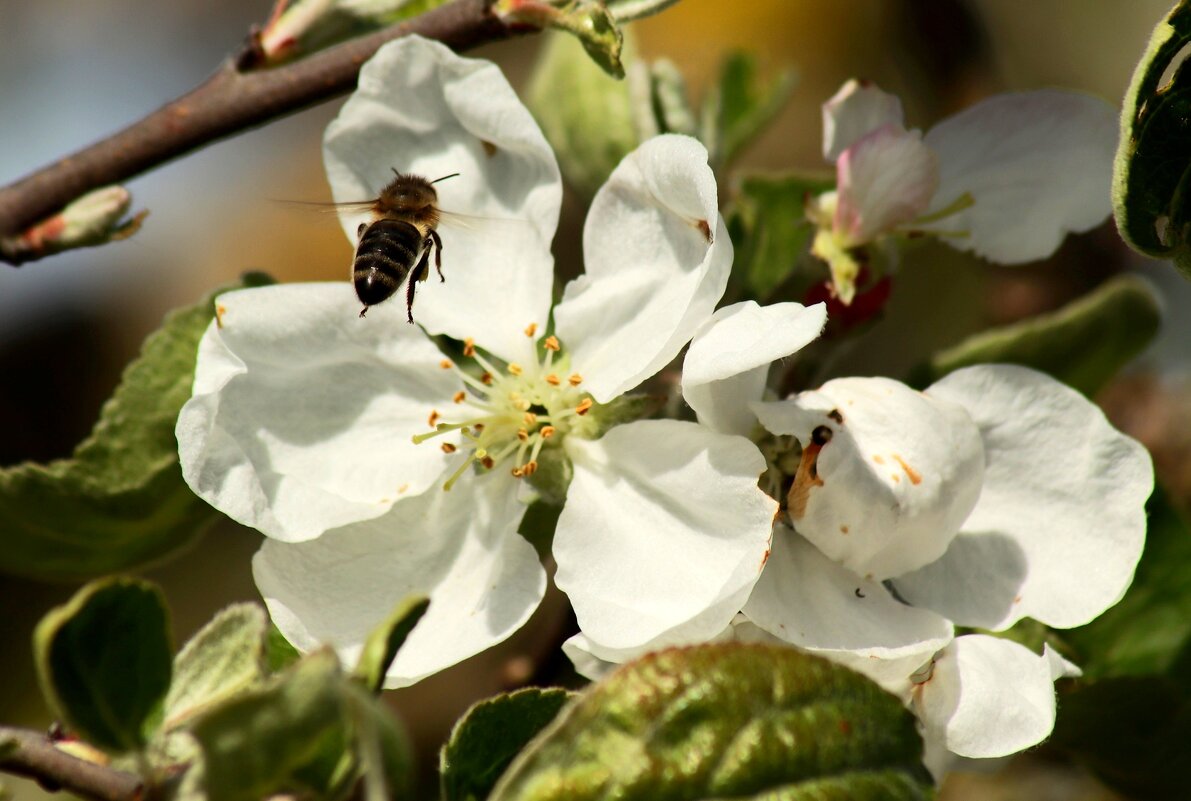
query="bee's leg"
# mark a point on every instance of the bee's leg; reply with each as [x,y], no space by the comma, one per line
[419,274]
[437,253]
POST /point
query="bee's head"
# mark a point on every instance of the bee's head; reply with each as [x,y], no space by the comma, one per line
[407,194]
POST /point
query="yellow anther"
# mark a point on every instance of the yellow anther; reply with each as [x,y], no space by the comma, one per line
[517,472]
[530,419]
[584,407]
[459,396]
[531,329]
[448,448]
[481,453]
[522,434]
[551,343]
[514,368]
[446,364]
[529,468]
[575,380]
[469,347]
[547,432]
[486,378]
[553,380]
[433,419]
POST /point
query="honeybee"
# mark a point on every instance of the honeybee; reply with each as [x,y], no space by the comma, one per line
[398,241]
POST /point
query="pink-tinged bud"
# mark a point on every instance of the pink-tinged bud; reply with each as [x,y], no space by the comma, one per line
[93,219]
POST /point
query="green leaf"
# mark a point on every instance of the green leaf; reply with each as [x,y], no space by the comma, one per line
[310,731]
[310,25]
[489,735]
[279,654]
[768,225]
[1132,732]
[585,114]
[226,657]
[740,105]
[1083,344]
[1153,161]
[120,502]
[1146,631]
[380,649]
[104,661]
[725,721]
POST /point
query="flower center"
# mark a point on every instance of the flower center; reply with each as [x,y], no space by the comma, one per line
[506,414]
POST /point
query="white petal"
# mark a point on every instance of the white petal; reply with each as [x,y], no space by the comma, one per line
[855,111]
[422,109]
[728,361]
[806,599]
[302,412]
[1037,164]
[897,475]
[460,548]
[884,180]
[1060,523]
[664,526]
[658,257]
[987,697]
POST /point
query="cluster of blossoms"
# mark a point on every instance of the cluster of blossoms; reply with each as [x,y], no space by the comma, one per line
[862,520]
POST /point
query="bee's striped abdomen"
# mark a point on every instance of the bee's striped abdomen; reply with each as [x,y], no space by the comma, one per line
[387,251]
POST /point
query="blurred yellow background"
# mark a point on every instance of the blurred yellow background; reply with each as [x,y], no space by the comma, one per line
[72,72]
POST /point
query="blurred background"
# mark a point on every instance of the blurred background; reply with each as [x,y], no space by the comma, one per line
[73,72]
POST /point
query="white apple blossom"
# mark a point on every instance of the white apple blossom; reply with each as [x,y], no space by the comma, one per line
[1007,178]
[336,436]
[996,494]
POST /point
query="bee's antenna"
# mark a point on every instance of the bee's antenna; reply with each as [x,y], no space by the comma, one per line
[445,177]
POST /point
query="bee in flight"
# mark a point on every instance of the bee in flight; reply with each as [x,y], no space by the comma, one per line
[398,241]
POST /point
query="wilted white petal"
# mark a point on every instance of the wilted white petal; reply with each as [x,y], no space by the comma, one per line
[884,180]
[728,361]
[421,109]
[302,413]
[664,526]
[856,110]
[806,599]
[460,548]
[1061,521]
[657,255]
[1038,166]
[987,697]
[887,474]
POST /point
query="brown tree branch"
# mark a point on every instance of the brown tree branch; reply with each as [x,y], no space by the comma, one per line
[233,100]
[35,757]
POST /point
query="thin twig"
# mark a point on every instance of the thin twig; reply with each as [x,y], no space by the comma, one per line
[234,99]
[36,757]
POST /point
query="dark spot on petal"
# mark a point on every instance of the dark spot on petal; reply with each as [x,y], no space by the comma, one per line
[859,594]
[835,415]
[489,148]
[705,229]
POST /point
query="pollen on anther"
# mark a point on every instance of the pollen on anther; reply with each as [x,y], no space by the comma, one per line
[432,421]
[531,329]
[486,378]
[575,380]
[529,468]
[547,432]
[446,364]
[478,427]
[517,472]
[448,448]
[584,407]
[551,343]
[553,380]
[522,434]
[459,396]
[488,462]
[530,419]
[514,368]
[469,347]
